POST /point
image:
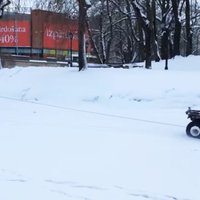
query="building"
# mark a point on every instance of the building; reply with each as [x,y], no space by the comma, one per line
[41,34]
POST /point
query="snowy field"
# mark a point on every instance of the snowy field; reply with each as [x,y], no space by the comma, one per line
[101,134]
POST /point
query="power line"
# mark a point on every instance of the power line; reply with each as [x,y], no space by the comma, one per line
[92,112]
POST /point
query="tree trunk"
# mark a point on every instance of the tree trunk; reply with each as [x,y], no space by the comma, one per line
[147,31]
[177,28]
[130,37]
[82,30]
[154,34]
[188,29]
[148,35]
[109,43]
[93,44]
[102,39]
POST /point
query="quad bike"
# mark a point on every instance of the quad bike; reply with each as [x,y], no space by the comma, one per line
[193,128]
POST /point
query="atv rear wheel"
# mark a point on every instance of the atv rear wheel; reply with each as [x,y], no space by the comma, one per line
[193,129]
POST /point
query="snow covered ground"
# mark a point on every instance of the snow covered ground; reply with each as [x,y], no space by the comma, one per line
[101,134]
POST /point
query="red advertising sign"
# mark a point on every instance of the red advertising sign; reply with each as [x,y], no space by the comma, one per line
[14,33]
[57,36]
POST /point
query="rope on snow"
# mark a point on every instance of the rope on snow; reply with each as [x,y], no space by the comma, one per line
[93,112]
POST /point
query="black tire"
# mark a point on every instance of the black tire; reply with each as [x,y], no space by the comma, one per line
[193,129]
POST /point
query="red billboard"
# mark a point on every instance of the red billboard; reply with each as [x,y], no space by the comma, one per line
[59,36]
[14,33]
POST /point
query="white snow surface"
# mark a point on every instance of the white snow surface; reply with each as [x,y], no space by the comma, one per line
[100,134]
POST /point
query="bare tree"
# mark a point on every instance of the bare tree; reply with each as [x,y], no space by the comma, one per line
[69,7]
[3,4]
[147,29]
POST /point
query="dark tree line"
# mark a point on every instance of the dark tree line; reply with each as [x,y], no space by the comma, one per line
[140,30]
[126,31]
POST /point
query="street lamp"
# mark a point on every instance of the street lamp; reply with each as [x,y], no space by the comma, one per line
[86,46]
[71,47]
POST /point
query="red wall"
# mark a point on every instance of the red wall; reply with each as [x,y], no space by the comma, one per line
[15,33]
[51,30]
[42,29]
[57,36]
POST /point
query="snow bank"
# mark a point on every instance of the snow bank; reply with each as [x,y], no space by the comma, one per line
[99,134]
